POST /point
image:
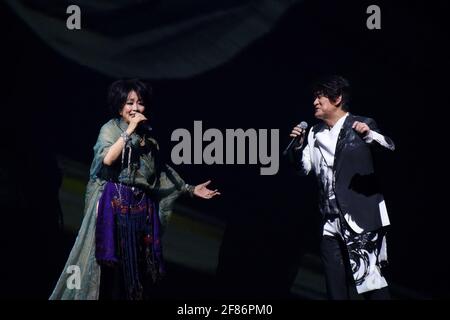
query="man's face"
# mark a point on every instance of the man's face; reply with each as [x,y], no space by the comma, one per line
[324,108]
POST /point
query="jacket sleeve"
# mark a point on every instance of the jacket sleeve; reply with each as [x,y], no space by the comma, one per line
[377,139]
[301,158]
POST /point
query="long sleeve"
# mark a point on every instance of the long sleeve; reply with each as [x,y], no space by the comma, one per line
[168,188]
[374,137]
[301,158]
[166,184]
[106,138]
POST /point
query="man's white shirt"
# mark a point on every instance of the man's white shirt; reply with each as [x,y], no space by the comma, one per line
[319,154]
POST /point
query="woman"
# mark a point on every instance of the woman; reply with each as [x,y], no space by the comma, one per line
[117,253]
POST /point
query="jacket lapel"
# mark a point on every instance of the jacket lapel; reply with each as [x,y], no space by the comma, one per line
[341,142]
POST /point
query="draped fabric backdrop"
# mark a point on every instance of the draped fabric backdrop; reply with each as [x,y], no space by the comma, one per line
[152,39]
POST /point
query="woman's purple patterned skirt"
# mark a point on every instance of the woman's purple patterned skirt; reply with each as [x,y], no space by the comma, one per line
[128,235]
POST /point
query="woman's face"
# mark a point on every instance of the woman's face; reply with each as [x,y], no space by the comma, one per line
[132,105]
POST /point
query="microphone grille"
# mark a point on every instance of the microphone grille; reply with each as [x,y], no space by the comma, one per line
[303,125]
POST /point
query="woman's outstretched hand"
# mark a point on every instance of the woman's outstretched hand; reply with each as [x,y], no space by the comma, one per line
[202,191]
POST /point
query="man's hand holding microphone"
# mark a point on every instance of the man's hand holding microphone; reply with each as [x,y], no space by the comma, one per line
[298,137]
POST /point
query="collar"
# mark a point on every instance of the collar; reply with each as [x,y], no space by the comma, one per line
[338,125]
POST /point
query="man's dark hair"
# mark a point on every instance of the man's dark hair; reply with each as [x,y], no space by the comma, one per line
[332,87]
[119,90]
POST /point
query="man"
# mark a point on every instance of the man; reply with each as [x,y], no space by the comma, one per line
[339,151]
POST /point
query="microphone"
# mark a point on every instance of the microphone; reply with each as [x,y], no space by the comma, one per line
[303,125]
[145,126]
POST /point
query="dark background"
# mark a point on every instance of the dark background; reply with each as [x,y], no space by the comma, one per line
[51,105]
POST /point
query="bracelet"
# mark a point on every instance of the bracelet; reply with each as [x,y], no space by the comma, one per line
[190,189]
[125,136]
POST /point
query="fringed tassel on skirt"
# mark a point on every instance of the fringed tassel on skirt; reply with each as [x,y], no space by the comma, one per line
[136,238]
